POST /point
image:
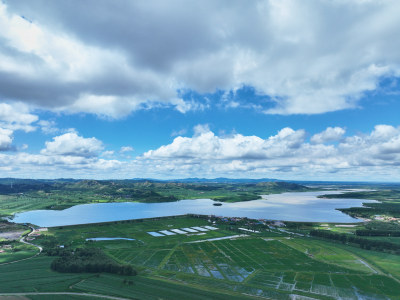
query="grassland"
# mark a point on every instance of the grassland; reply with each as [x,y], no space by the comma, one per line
[270,264]
[35,276]
[11,249]
[18,252]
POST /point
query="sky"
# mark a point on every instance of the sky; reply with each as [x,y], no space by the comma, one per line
[292,90]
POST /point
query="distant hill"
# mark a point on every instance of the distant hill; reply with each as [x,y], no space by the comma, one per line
[13,181]
[35,181]
[289,186]
[222,180]
[61,193]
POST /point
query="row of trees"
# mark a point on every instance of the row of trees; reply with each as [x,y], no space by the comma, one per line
[362,242]
[366,232]
[91,260]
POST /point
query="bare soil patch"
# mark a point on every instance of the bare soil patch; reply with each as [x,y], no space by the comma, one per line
[11,235]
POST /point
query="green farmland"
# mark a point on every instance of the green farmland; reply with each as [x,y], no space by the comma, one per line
[269,265]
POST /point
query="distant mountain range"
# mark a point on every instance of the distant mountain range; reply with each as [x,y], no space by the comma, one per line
[216,180]
[10,181]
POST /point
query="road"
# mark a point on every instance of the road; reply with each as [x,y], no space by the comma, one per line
[22,240]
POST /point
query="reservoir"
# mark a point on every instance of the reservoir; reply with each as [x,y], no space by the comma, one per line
[299,206]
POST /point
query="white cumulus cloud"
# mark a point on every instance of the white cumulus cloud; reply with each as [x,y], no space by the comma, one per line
[126,149]
[17,117]
[331,134]
[73,146]
[287,152]
[5,139]
[48,127]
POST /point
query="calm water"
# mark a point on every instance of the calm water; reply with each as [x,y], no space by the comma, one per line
[287,206]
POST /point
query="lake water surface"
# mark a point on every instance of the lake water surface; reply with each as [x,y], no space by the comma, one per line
[302,206]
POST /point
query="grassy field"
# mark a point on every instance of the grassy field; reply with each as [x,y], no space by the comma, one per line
[11,249]
[135,229]
[57,297]
[19,251]
[11,204]
[386,263]
[188,266]
[35,275]
[329,253]
[271,267]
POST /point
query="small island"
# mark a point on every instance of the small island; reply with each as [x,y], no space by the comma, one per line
[217,204]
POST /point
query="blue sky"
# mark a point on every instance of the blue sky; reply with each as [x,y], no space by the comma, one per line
[277,89]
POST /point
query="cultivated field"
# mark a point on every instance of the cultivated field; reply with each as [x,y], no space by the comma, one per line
[269,264]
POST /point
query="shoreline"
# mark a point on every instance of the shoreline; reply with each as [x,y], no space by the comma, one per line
[139,220]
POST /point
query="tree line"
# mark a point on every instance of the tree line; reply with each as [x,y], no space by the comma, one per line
[361,242]
[91,260]
[366,232]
